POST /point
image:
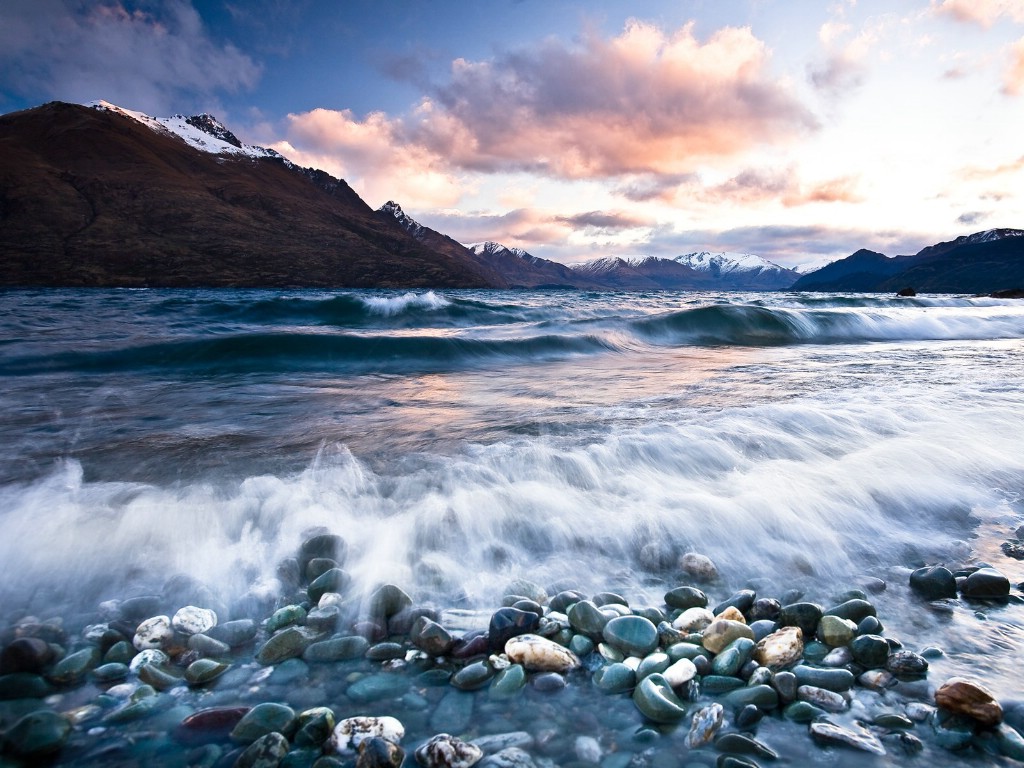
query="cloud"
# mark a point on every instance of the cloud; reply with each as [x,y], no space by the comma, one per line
[1013,80]
[845,63]
[159,60]
[973,173]
[970,218]
[604,221]
[372,156]
[642,102]
[983,12]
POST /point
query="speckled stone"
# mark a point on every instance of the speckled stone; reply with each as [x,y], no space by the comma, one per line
[447,751]
[780,649]
[192,620]
[538,654]
[705,725]
[351,732]
[964,697]
[722,632]
[155,632]
[849,735]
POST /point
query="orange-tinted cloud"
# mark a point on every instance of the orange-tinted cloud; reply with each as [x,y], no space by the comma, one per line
[642,102]
[983,12]
[1013,80]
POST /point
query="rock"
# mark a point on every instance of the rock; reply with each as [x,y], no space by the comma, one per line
[323,545]
[192,620]
[263,719]
[25,654]
[376,752]
[830,701]
[318,566]
[497,742]
[473,676]
[870,651]
[835,631]
[731,613]
[324,619]
[693,620]
[587,749]
[803,615]
[38,734]
[285,616]
[512,757]
[906,664]
[633,635]
[698,566]
[207,646]
[334,580]
[657,701]
[74,667]
[705,725]
[528,589]
[748,717]
[785,684]
[145,658]
[963,697]
[153,633]
[385,652]
[351,732]
[893,720]
[538,654]
[732,657]
[907,292]
[209,725]
[615,678]
[740,744]
[655,662]
[446,751]
[933,582]
[761,696]
[686,597]
[742,601]
[234,633]
[877,679]
[508,681]
[986,584]
[765,609]
[337,649]
[548,682]
[851,736]
[560,603]
[837,657]
[837,680]
[586,618]
[378,688]
[854,610]
[780,649]
[430,637]
[386,601]
[313,727]
[721,632]
[203,671]
[23,685]
[266,752]
[507,623]
[803,712]
[1011,743]
[289,643]
[680,673]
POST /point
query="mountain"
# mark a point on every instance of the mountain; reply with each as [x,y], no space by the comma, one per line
[740,271]
[459,254]
[984,262]
[524,270]
[617,273]
[101,196]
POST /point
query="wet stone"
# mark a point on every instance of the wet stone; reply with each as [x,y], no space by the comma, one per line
[538,654]
[960,696]
[447,751]
[615,678]
[837,680]
[830,701]
[906,664]
[207,646]
[385,652]
[732,657]
[705,725]
[870,651]
[780,649]
[835,631]
[742,601]
[850,735]
[686,597]
[158,677]
[386,601]
[508,681]
[155,632]
[785,684]
[23,685]
[854,610]
[695,619]
[761,696]
[986,584]
[25,654]
[765,609]
[657,701]
[507,623]
[587,619]
[633,635]
[193,620]
[803,615]
[283,617]
[38,734]
[548,682]
[740,744]
[73,668]
[378,687]
[313,727]
[234,633]
[351,732]
[324,619]
[430,637]
[655,662]
[263,719]
[376,752]
[933,582]
[337,649]
[719,683]
[287,644]
[203,671]
[323,545]
[721,632]
[334,580]
[112,672]
[209,725]
[473,676]
[266,752]
[803,712]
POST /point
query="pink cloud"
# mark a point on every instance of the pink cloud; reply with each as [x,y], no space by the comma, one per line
[983,12]
[642,102]
[1013,81]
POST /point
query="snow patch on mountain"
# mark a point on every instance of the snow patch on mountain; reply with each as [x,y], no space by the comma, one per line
[409,224]
[727,263]
[203,132]
[491,248]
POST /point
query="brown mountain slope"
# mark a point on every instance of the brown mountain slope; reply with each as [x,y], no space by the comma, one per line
[90,198]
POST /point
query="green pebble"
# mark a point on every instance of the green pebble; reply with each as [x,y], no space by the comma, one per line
[508,681]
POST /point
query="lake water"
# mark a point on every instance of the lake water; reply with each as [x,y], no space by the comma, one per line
[460,440]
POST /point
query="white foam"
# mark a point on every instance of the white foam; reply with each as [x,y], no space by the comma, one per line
[394,305]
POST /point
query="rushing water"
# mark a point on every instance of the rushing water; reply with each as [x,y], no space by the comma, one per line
[459,440]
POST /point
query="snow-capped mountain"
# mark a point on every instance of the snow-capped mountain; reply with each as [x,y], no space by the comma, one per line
[740,271]
[409,224]
[491,248]
[203,132]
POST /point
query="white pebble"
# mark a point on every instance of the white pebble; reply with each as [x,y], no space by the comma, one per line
[192,620]
[153,633]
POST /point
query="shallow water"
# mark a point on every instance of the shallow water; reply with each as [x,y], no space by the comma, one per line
[459,440]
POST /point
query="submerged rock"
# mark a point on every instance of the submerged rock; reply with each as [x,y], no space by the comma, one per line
[851,736]
[192,620]
[447,751]
[657,701]
[960,696]
[933,582]
[38,734]
[986,584]
[153,633]
[705,725]
[538,654]
[351,732]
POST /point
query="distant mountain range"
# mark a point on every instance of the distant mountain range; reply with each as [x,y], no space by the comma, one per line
[984,262]
[103,196]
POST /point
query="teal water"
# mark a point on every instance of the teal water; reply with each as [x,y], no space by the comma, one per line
[459,440]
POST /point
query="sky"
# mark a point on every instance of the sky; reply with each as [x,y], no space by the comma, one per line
[796,130]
